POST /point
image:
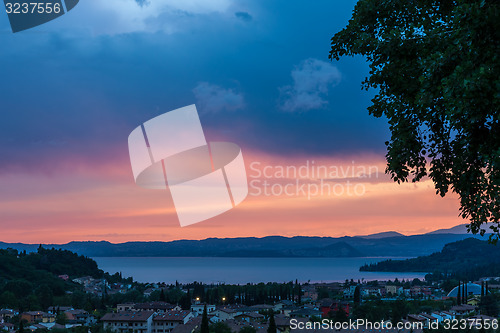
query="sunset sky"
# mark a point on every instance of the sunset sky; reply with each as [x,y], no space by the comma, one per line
[73,89]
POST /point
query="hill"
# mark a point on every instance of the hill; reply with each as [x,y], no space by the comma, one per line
[381,235]
[463,257]
[30,280]
[394,245]
[459,229]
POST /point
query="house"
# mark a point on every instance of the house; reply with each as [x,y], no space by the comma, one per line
[328,305]
[166,322]
[248,317]
[38,316]
[428,318]
[225,313]
[129,322]
[198,308]
[158,307]
[286,310]
[7,313]
[58,309]
[282,323]
[85,280]
[479,321]
[305,313]
[462,310]
[391,290]
[190,327]
[349,292]
[438,316]
[474,301]
[148,292]
[123,307]
[415,318]
[7,327]
[447,315]
[79,316]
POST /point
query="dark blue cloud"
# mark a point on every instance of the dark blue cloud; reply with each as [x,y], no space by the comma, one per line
[243,16]
[142,3]
[75,93]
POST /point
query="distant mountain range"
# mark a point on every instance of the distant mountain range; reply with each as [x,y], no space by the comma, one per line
[388,244]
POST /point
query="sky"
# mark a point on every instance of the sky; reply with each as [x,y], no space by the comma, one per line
[72,90]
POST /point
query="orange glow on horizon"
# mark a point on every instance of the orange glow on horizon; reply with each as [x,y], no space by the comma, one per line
[104,204]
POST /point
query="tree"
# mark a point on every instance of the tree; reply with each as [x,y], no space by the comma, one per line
[482,290]
[436,65]
[399,311]
[61,318]
[248,329]
[45,295]
[8,299]
[357,295]
[220,327]
[489,306]
[339,316]
[272,324]
[204,321]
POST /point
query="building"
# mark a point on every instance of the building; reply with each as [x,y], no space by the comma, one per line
[58,309]
[305,313]
[7,327]
[7,314]
[166,322]
[198,308]
[328,305]
[125,307]
[79,316]
[249,317]
[129,322]
[224,314]
[190,327]
[38,316]
[349,292]
[158,307]
[472,289]
[462,310]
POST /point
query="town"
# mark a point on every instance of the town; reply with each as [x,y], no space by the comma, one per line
[273,307]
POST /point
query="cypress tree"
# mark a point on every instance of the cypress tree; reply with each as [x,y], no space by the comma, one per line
[204,321]
[272,324]
[357,295]
[459,295]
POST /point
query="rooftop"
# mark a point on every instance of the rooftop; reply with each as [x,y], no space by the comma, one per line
[128,316]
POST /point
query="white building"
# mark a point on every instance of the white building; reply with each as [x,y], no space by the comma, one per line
[129,322]
[166,322]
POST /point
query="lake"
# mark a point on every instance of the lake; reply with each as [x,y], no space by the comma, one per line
[245,270]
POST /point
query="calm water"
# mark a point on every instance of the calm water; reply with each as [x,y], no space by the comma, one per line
[245,270]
